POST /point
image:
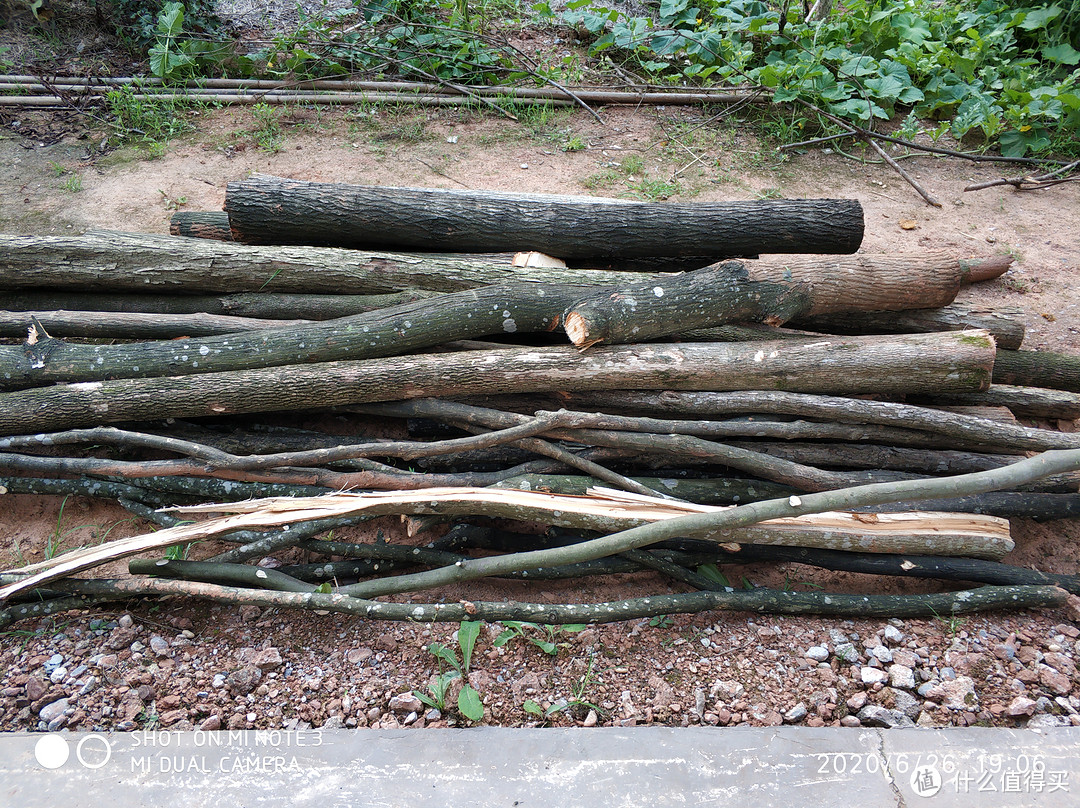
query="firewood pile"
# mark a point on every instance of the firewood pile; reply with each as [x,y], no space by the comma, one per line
[622,373]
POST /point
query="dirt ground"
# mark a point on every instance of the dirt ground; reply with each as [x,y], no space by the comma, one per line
[716,669]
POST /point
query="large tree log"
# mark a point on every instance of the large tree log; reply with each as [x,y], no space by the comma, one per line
[270,210]
[959,361]
[129,262]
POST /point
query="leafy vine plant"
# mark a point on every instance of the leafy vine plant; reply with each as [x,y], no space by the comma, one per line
[1003,71]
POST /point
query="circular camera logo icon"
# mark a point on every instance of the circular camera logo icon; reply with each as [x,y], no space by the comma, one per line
[926,781]
[51,751]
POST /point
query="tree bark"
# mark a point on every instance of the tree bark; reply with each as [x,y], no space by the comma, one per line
[212,225]
[1003,324]
[867,282]
[656,308]
[934,363]
[271,210]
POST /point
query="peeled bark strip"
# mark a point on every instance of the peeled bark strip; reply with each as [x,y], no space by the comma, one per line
[656,308]
[1038,369]
[271,210]
[201,224]
[1003,324]
[934,363]
[115,325]
[253,305]
[129,262]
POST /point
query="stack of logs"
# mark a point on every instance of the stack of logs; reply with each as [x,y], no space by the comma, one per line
[722,354]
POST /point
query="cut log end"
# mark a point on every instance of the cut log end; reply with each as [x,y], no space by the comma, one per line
[577,329]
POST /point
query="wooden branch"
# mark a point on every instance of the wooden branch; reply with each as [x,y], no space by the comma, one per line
[253,305]
[982,537]
[133,326]
[769,601]
[935,363]
[400,329]
[271,210]
[833,408]
[644,311]
[1028,402]
[1004,325]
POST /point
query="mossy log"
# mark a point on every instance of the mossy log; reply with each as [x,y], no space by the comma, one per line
[1054,371]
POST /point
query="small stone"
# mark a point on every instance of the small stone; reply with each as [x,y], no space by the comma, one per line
[52,711]
[53,662]
[248,614]
[906,703]
[1020,707]
[159,645]
[893,634]
[356,656]
[1046,721]
[873,715]
[89,686]
[901,677]
[795,714]
[433,715]
[405,703]
[857,701]
[956,694]
[1061,663]
[871,676]
[1053,681]
[35,688]
[125,621]
[219,681]
[590,719]
[850,721]
[243,680]
[818,653]
[267,660]
[881,653]
[334,722]
[846,652]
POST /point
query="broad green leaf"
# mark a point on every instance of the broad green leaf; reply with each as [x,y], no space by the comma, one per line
[467,634]
[170,21]
[1037,18]
[1064,54]
[546,647]
[533,708]
[469,703]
